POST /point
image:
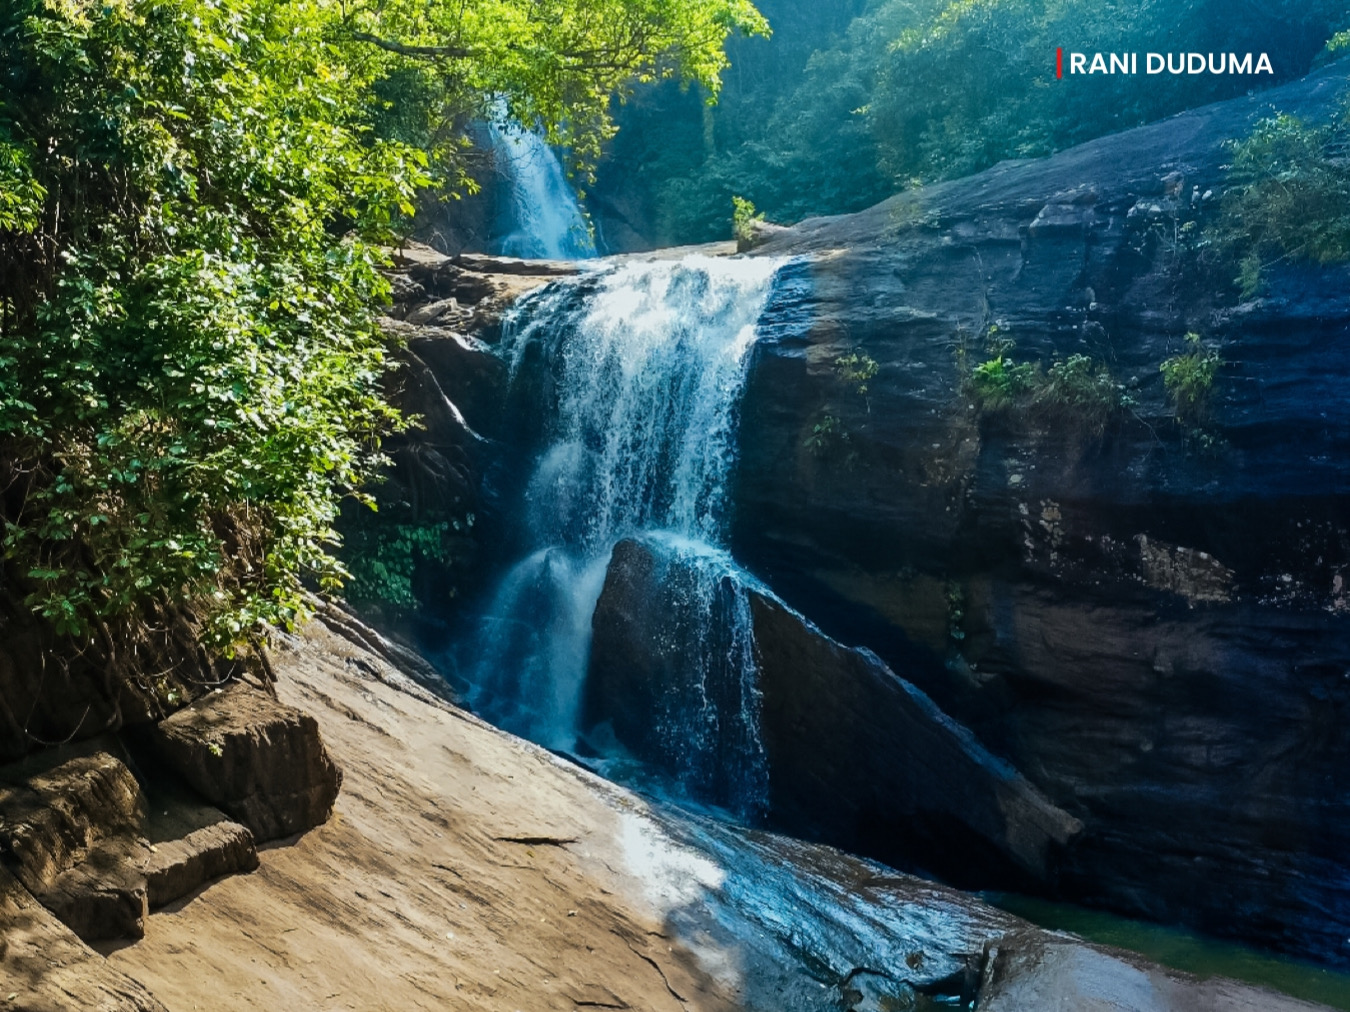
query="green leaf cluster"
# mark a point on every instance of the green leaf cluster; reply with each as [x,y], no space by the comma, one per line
[382,558]
[1077,389]
[1289,197]
[998,382]
[858,369]
[743,219]
[1189,378]
[192,192]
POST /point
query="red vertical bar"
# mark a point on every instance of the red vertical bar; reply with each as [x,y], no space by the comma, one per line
[1059,62]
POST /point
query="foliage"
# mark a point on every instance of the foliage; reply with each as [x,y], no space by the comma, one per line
[191,370]
[827,437]
[555,63]
[743,219]
[851,102]
[383,557]
[1076,389]
[857,369]
[1084,390]
[1289,198]
[999,383]
[1189,377]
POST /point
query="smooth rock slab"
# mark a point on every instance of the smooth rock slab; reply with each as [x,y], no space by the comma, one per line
[260,760]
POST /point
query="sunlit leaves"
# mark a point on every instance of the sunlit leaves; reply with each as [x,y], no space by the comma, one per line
[190,367]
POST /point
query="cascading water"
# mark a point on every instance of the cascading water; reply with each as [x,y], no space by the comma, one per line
[541,216]
[646,362]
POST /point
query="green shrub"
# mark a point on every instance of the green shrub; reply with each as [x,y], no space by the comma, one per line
[1189,378]
[857,369]
[743,219]
[1082,389]
[1289,197]
[999,383]
[1077,389]
[383,556]
[827,436]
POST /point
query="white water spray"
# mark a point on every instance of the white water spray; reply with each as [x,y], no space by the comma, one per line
[543,218]
[648,368]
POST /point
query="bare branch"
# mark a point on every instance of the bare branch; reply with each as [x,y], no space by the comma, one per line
[431,52]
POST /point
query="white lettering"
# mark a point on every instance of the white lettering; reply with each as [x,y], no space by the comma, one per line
[1172,63]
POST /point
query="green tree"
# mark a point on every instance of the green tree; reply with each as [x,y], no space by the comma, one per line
[911,91]
[191,197]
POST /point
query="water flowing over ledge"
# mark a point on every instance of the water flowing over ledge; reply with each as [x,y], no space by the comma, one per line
[643,367]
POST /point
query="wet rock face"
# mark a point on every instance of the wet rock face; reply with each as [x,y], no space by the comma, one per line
[260,760]
[1149,621]
[851,754]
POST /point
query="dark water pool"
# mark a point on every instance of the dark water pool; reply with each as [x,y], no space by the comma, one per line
[1182,950]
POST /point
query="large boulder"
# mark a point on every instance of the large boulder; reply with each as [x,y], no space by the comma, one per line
[1148,617]
[71,830]
[848,752]
[260,760]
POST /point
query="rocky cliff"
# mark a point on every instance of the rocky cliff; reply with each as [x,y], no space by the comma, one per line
[1147,616]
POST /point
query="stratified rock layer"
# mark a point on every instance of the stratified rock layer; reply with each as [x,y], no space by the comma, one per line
[1149,618]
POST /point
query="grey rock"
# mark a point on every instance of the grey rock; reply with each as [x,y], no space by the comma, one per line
[1156,634]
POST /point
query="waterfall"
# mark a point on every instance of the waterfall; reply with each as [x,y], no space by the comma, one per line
[541,218]
[645,364]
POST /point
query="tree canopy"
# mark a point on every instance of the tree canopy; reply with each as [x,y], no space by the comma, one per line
[853,101]
[192,194]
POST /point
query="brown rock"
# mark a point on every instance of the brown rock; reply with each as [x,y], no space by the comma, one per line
[103,896]
[434,311]
[485,263]
[48,969]
[260,760]
[54,811]
[178,867]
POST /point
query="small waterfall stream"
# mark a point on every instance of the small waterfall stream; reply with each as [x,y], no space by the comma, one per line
[645,370]
[541,217]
